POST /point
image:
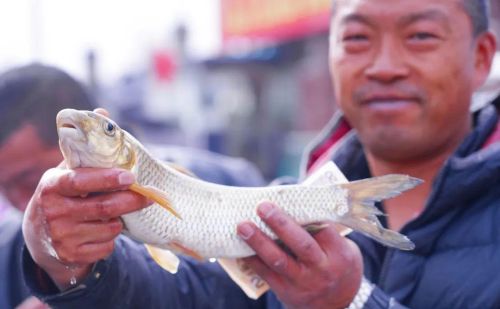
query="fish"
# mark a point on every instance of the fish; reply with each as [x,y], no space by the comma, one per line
[198,218]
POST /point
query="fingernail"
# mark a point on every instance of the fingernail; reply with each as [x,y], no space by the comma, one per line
[126,178]
[245,230]
[265,210]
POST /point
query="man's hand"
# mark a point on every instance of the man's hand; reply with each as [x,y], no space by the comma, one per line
[73,219]
[326,272]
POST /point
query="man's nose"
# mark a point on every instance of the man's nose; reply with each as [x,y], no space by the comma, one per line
[387,64]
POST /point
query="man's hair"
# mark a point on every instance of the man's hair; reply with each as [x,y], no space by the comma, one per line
[34,94]
[478,11]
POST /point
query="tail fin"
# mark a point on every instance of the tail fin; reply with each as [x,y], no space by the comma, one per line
[362,217]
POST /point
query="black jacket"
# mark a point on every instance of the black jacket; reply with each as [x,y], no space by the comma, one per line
[12,288]
[456,262]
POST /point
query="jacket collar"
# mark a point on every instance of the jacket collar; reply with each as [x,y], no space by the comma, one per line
[338,136]
[474,166]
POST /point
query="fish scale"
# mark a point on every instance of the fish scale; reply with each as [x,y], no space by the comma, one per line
[210,212]
[218,209]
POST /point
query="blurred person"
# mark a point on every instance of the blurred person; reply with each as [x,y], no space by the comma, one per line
[30,97]
[404,73]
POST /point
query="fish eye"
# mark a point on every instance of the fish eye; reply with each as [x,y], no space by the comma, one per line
[109,128]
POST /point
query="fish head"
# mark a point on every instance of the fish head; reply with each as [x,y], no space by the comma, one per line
[89,139]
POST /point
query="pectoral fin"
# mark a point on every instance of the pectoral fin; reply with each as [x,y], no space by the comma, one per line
[155,195]
[186,251]
[166,259]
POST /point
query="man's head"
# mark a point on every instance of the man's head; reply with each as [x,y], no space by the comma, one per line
[477,10]
[404,72]
[30,98]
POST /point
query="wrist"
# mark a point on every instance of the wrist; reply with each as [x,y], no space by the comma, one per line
[364,292]
[65,277]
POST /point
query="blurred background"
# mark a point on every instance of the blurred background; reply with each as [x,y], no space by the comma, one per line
[244,78]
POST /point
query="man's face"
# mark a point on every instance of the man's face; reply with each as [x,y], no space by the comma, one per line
[404,72]
[23,160]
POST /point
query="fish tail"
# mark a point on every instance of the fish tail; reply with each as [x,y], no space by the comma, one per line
[362,216]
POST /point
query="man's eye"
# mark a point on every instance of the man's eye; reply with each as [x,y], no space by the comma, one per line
[356,42]
[355,38]
[422,36]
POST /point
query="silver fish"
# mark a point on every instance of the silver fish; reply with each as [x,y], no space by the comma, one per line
[211,212]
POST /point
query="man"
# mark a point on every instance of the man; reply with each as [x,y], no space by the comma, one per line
[404,73]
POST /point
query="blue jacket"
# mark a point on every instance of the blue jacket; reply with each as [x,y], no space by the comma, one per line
[455,263]
[12,289]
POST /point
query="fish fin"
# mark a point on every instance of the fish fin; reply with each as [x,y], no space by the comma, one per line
[165,258]
[363,194]
[155,195]
[186,251]
[375,189]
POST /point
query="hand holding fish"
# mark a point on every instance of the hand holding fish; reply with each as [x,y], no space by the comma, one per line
[68,227]
[76,214]
[326,272]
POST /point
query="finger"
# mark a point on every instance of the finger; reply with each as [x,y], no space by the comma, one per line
[343,254]
[82,181]
[89,232]
[330,240]
[267,250]
[106,206]
[93,252]
[302,244]
[101,111]
[274,280]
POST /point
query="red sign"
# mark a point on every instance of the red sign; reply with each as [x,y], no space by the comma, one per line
[273,20]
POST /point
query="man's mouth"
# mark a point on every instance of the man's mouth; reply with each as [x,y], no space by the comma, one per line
[389,101]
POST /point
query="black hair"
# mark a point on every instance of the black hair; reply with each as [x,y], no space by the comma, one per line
[34,94]
[477,10]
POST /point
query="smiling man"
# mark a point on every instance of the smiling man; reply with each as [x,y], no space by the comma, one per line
[404,73]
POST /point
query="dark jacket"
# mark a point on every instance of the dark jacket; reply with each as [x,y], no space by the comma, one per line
[12,288]
[455,263]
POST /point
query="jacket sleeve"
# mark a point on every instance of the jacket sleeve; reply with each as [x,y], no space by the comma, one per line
[129,278]
[12,288]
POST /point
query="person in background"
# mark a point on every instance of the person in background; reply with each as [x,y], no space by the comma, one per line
[404,73]
[30,98]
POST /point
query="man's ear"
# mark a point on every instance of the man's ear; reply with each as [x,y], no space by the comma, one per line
[486,45]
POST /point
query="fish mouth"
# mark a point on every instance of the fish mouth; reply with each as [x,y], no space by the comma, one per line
[67,126]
